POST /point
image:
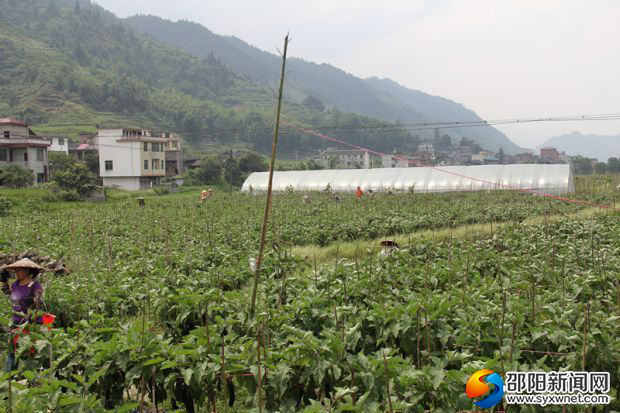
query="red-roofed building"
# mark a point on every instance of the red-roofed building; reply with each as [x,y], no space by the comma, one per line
[19,145]
[549,154]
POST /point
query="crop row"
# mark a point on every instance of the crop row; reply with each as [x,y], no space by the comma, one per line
[156,309]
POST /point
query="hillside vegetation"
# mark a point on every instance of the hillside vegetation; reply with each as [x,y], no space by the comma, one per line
[383,99]
[70,66]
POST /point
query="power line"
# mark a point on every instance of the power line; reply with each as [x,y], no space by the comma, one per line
[403,127]
[390,128]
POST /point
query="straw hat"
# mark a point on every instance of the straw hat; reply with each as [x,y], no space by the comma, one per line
[24,263]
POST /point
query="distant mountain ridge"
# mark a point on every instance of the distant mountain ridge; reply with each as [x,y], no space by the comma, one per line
[378,98]
[590,145]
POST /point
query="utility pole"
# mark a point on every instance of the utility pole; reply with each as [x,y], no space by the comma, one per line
[230,172]
[276,129]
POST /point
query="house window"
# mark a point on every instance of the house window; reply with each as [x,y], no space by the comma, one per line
[26,156]
[146,164]
[146,147]
[3,155]
[61,141]
[108,165]
[155,163]
[154,147]
[39,154]
[7,134]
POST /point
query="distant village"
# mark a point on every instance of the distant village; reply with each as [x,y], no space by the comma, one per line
[134,158]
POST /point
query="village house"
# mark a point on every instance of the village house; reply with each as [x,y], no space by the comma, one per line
[130,158]
[345,159]
[549,154]
[58,144]
[461,155]
[484,156]
[174,159]
[19,145]
[85,146]
[401,161]
[526,157]
[427,151]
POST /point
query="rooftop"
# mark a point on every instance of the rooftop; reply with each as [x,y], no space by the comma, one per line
[12,121]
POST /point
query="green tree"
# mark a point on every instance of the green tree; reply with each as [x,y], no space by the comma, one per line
[581,165]
[613,165]
[600,168]
[500,155]
[313,165]
[332,162]
[210,170]
[252,162]
[74,176]
[442,143]
[59,161]
[233,172]
[313,103]
[15,176]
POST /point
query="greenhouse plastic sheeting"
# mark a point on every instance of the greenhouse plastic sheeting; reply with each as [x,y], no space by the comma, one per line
[542,178]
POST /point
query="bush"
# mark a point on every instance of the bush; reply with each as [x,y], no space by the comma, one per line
[161,191]
[5,206]
[70,195]
[15,176]
[74,176]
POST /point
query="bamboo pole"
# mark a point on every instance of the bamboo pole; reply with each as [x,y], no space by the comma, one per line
[263,235]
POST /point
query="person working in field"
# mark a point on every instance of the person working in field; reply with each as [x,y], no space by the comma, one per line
[359,192]
[204,195]
[25,294]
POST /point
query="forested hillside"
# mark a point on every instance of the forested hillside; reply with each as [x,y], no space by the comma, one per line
[383,99]
[71,66]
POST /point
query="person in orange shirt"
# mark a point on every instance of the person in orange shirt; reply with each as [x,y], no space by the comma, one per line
[359,192]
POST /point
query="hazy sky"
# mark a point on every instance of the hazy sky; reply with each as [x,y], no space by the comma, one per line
[501,58]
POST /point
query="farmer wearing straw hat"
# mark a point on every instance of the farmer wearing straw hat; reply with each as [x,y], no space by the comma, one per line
[25,295]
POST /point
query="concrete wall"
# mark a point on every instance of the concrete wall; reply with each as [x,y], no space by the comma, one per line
[126,183]
[125,157]
[38,168]
[15,131]
[149,156]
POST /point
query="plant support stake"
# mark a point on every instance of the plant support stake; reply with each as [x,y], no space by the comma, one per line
[263,234]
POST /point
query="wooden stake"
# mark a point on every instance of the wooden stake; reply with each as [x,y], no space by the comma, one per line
[387,382]
[260,378]
[586,327]
[263,235]
[512,339]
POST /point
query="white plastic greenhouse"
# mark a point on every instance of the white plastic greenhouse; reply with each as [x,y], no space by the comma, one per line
[542,178]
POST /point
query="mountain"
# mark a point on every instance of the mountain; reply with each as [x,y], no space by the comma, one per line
[590,146]
[68,66]
[377,98]
[445,110]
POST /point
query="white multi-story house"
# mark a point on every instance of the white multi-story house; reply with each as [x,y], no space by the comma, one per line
[58,144]
[19,145]
[131,159]
[345,158]
[394,161]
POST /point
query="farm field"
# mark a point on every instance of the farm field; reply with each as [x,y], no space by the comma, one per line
[155,313]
